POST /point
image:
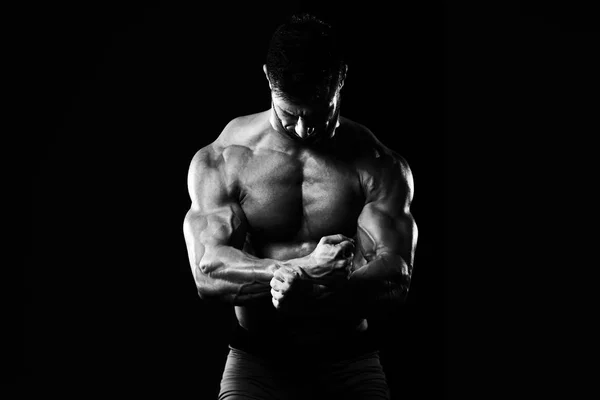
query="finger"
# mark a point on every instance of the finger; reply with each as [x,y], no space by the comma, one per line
[350,266]
[279,286]
[276,284]
[278,274]
[350,261]
[275,303]
[342,264]
[282,275]
[276,294]
[346,248]
[286,275]
[334,239]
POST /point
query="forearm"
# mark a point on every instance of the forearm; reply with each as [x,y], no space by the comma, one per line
[374,289]
[384,277]
[235,276]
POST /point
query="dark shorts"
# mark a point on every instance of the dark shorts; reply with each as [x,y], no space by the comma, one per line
[355,373]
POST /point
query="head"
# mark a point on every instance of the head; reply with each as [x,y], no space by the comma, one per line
[306,71]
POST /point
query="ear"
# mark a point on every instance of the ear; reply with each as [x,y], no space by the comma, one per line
[267,75]
[343,77]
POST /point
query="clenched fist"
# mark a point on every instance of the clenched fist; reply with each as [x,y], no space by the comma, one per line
[333,253]
[288,282]
[315,274]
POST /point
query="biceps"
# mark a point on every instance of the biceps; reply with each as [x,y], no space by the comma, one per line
[219,228]
[379,232]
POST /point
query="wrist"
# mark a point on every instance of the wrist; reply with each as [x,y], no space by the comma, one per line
[297,262]
[298,265]
[274,266]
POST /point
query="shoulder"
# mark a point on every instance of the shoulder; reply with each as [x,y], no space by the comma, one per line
[237,138]
[220,162]
[208,178]
[369,152]
[379,167]
[243,131]
[204,169]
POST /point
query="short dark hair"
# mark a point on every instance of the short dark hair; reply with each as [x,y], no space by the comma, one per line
[305,59]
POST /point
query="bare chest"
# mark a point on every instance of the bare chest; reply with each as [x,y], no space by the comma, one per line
[299,197]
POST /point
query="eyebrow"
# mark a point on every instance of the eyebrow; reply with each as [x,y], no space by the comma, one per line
[318,113]
[287,112]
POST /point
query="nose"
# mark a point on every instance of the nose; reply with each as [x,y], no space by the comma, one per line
[303,129]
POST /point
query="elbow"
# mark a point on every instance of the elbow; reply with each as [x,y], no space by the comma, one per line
[204,284]
[397,294]
[402,288]
[203,267]
[209,287]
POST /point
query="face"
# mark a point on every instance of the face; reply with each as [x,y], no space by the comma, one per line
[307,122]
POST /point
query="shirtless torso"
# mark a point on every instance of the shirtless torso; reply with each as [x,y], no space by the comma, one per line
[260,197]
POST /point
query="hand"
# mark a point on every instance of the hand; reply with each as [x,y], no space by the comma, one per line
[333,254]
[315,275]
[288,282]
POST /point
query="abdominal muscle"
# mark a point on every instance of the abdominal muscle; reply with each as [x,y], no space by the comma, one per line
[262,318]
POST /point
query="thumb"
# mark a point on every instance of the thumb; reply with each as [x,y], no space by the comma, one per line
[335,239]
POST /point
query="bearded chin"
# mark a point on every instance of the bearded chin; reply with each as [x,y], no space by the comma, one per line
[317,137]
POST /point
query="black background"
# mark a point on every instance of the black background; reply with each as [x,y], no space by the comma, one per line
[479,102]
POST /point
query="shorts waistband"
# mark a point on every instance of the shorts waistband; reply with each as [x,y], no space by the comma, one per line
[353,345]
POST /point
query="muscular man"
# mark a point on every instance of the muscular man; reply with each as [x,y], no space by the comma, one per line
[300,218]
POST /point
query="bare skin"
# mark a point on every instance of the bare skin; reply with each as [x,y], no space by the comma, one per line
[304,240]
